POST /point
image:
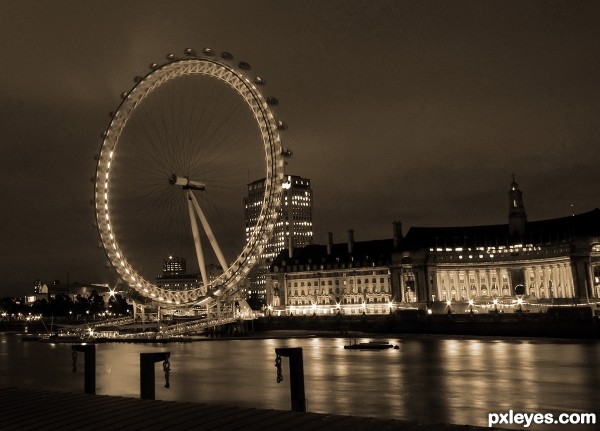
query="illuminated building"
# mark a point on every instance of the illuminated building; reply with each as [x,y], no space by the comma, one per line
[173,265]
[174,274]
[294,226]
[349,278]
[554,261]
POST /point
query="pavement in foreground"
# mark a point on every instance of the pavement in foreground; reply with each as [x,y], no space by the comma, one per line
[32,409]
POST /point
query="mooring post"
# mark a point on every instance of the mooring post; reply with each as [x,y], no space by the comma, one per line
[147,361]
[89,358]
[296,376]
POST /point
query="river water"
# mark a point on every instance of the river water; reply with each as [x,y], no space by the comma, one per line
[428,379]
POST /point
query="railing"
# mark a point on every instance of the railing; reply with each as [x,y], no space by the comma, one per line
[113,322]
[95,324]
[89,330]
[195,325]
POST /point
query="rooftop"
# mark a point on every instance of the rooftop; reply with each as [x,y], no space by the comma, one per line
[540,232]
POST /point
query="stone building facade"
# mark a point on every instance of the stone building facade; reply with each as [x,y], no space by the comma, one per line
[545,261]
[347,278]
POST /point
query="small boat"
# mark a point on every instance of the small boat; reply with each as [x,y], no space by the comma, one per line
[371,345]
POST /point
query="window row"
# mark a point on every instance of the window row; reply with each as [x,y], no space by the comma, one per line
[382,280]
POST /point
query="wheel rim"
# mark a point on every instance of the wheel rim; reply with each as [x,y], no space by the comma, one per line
[112,143]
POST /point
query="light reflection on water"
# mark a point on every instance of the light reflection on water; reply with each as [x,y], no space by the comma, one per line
[428,379]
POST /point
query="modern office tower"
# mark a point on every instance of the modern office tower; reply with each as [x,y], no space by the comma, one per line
[293,229]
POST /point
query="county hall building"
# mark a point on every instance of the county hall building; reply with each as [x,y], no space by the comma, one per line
[549,259]
[544,262]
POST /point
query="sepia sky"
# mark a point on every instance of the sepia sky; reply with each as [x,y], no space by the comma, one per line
[415,111]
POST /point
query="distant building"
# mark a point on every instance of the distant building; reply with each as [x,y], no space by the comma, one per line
[174,265]
[40,291]
[294,226]
[347,278]
[542,262]
[39,287]
[73,290]
[57,288]
[175,277]
[88,289]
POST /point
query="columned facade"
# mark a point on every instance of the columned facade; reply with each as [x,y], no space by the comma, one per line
[566,270]
[556,261]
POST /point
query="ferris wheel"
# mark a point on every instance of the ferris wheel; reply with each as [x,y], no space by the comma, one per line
[175,163]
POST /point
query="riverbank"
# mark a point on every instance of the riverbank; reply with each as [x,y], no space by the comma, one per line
[578,323]
[558,322]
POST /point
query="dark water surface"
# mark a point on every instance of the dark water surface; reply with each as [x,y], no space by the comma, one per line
[429,379]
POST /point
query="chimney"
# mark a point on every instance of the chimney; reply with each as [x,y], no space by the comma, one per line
[329,243]
[397,234]
[350,240]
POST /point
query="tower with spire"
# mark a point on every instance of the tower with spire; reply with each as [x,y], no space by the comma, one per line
[517,218]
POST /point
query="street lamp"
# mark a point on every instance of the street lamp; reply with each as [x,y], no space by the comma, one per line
[519,292]
[471,306]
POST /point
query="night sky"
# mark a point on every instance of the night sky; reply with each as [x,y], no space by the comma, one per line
[413,111]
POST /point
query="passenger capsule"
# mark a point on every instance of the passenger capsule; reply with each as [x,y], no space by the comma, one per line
[259,81]
[226,55]
[286,152]
[281,125]
[153,66]
[272,101]
[243,65]
[111,114]
[137,78]
[189,51]
[208,52]
[170,56]
[123,95]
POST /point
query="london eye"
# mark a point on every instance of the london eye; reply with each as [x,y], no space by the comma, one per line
[175,163]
